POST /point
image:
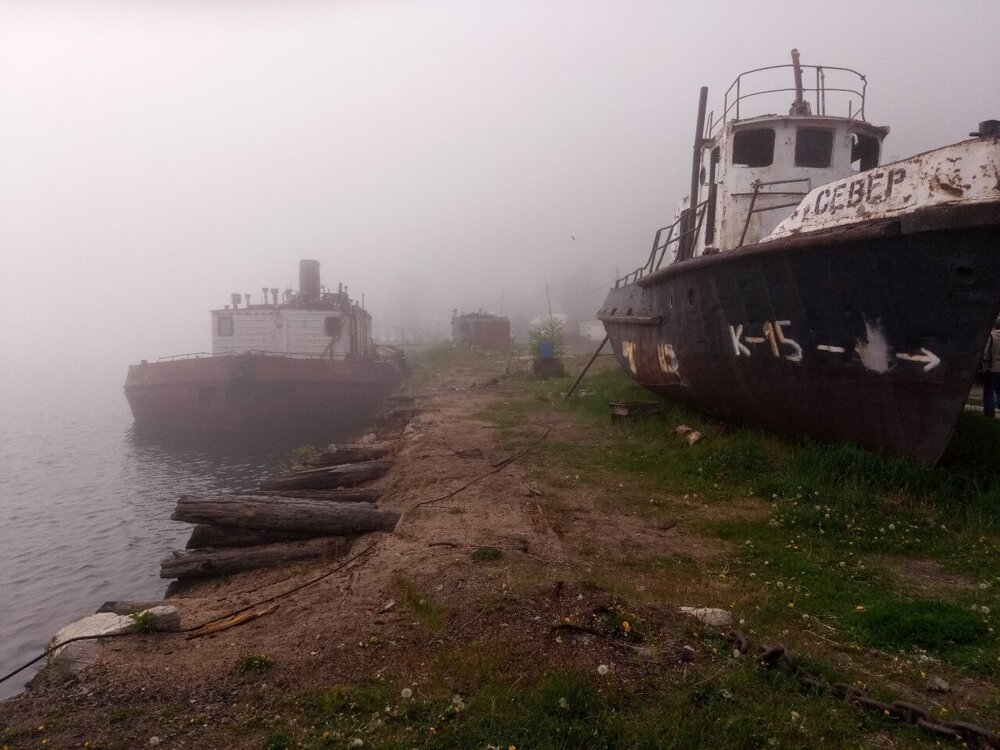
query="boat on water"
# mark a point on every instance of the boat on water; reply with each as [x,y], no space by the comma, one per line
[308,360]
[805,288]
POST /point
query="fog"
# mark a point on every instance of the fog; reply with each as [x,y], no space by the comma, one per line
[157,156]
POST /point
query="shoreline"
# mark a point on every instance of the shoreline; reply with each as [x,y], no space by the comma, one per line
[525,584]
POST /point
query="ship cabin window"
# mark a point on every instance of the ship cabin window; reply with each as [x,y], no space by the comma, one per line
[813,147]
[224,325]
[332,326]
[864,152]
[753,147]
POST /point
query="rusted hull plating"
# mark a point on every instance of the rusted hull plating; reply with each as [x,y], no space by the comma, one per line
[872,336]
[252,393]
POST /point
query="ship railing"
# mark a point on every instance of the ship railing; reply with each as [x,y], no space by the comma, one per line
[254,352]
[757,185]
[671,236]
[849,89]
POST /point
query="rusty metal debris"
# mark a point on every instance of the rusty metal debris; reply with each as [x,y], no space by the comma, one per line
[779,657]
[629,411]
[690,434]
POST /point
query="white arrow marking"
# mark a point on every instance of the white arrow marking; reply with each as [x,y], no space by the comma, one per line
[928,356]
[828,348]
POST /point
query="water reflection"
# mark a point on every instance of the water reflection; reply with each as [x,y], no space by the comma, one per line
[86,499]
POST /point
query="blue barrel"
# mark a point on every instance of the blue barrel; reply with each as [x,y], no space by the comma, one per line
[545,349]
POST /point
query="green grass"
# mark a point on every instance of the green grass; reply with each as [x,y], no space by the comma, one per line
[834,521]
[745,707]
[431,614]
[255,663]
[486,554]
[925,624]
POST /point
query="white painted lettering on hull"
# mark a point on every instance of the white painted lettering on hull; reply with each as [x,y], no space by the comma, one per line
[929,358]
[628,351]
[667,358]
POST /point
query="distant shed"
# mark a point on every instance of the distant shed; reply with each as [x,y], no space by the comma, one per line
[480,330]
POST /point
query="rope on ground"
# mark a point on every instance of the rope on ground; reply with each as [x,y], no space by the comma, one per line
[495,470]
[221,619]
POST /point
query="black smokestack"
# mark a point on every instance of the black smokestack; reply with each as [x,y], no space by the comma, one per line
[309,280]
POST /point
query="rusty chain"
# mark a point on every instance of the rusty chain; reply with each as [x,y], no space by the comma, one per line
[779,657]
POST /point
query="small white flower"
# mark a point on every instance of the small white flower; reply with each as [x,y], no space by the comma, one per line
[563,703]
[406,693]
[984,609]
[603,669]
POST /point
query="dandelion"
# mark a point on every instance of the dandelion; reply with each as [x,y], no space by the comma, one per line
[406,693]
[602,669]
[859,608]
[984,609]
[626,627]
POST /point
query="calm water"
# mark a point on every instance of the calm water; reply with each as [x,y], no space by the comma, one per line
[85,503]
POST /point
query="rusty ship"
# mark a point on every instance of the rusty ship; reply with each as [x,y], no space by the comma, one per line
[808,289]
[306,360]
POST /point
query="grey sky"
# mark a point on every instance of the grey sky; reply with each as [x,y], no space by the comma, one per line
[156,156]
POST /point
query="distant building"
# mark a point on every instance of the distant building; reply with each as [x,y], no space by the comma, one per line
[592,330]
[480,330]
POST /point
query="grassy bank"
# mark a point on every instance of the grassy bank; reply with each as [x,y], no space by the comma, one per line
[877,571]
[553,622]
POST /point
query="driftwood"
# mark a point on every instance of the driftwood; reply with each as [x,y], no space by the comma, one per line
[335,476]
[344,495]
[338,455]
[209,535]
[215,562]
[288,514]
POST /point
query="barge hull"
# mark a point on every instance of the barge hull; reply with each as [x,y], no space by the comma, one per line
[252,392]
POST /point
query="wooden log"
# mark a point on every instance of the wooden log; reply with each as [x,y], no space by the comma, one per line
[288,514]
[210,535]
[341,494]
[335,476]
[338,455]
[207,563]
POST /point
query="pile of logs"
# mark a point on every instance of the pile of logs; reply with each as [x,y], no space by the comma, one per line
[303,515]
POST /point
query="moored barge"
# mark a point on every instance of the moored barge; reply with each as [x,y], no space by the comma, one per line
[308,360]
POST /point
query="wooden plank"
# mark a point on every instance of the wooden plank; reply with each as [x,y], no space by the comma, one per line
[341,494]
[335,476]
[211,535]
[287,514]
[338,455]
[208,563]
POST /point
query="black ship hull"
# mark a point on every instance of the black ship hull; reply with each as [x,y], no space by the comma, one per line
[870,334]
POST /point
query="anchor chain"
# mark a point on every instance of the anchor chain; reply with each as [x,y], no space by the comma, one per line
[779,657]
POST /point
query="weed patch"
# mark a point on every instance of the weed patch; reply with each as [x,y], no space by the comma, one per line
[486,554]
[922,623]
[431,614]
[255,663]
